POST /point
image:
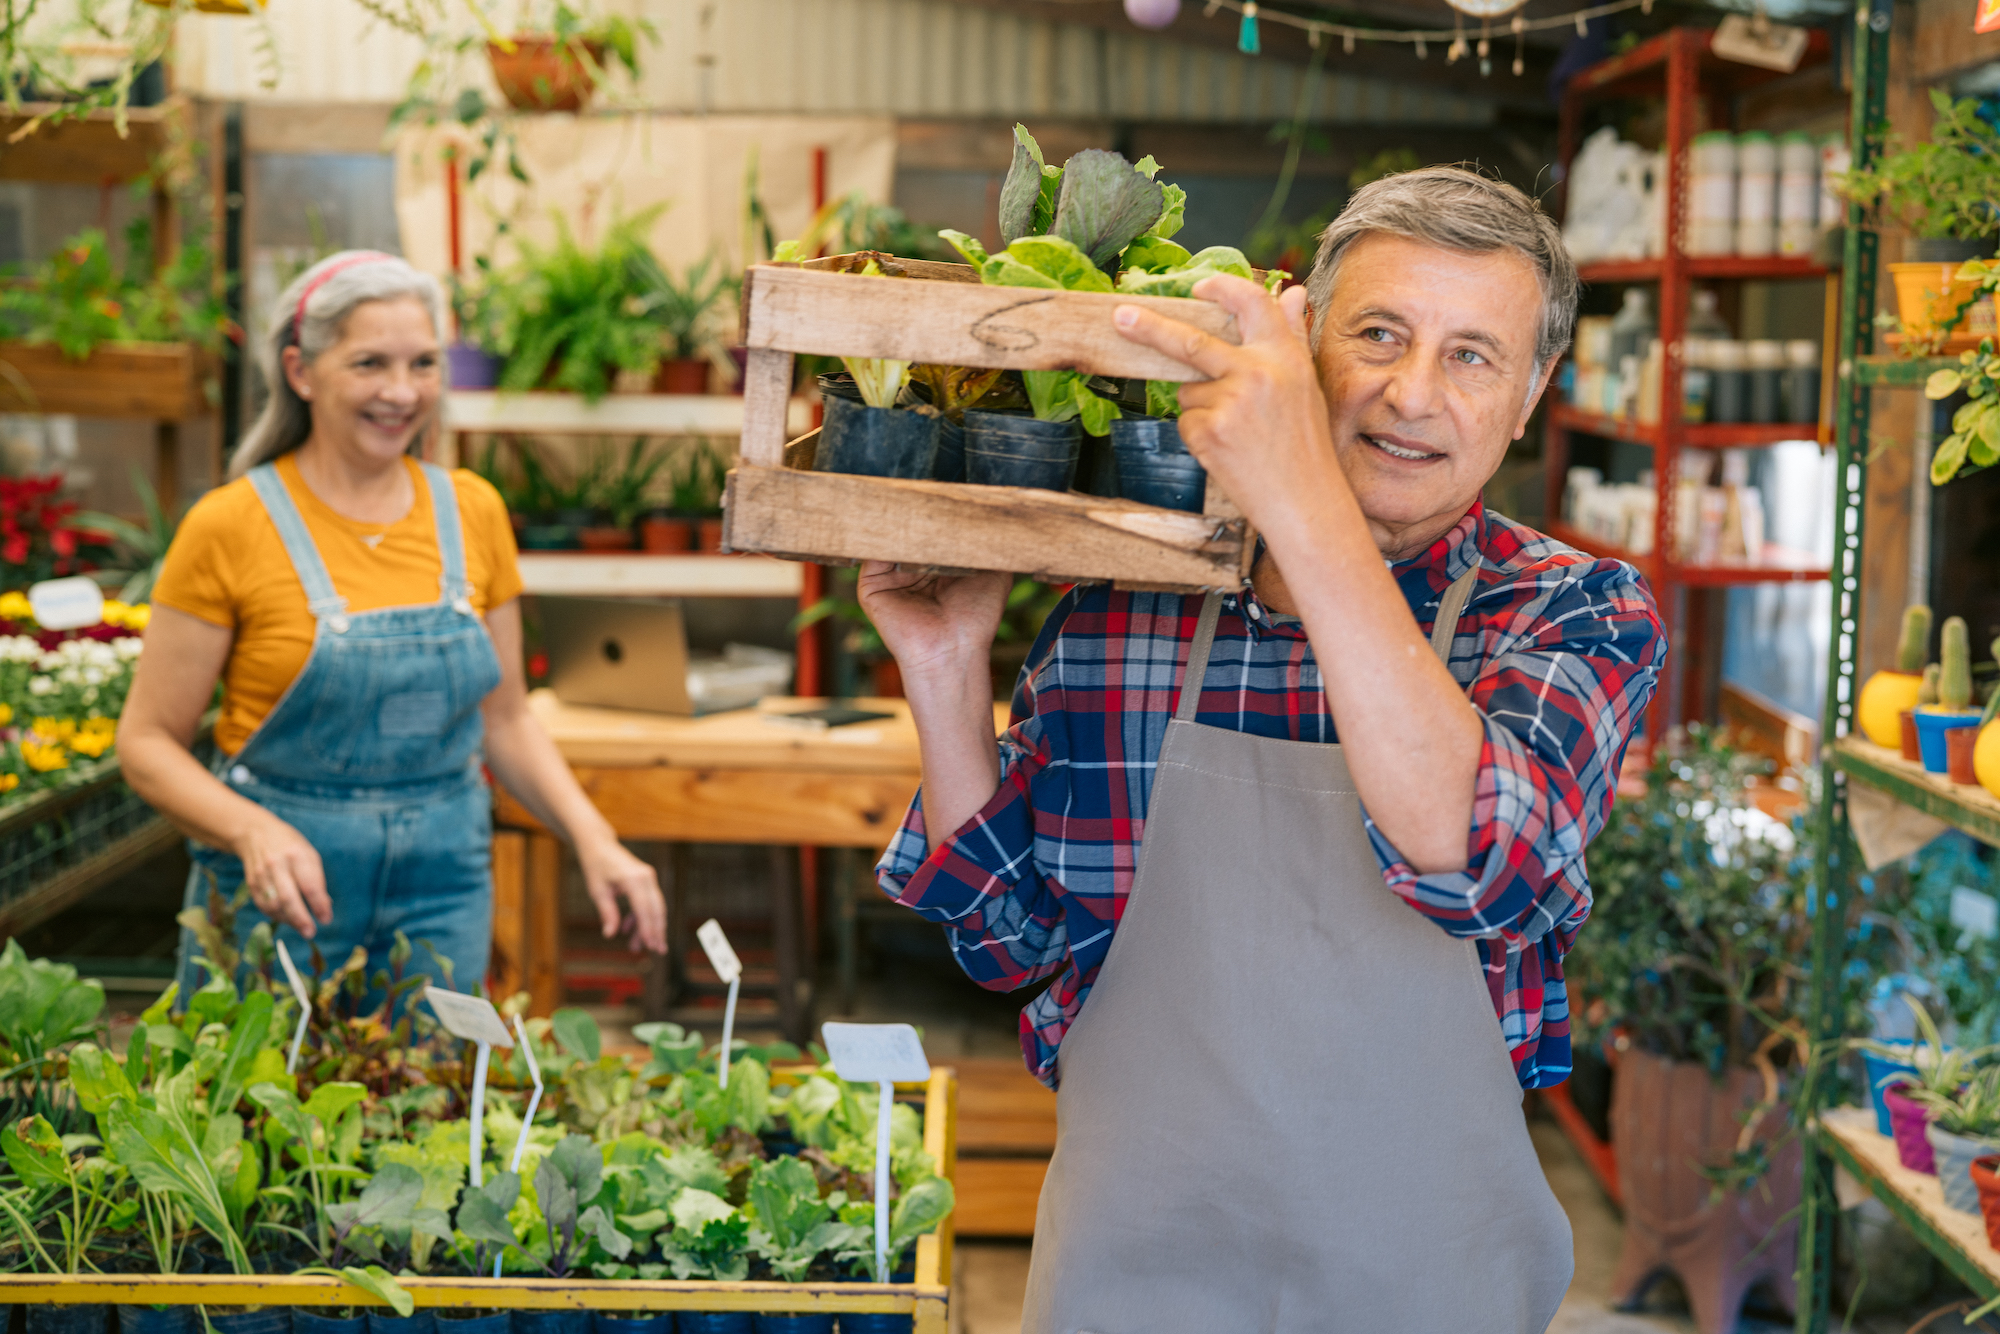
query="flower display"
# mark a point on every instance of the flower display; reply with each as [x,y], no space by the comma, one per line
[61,692]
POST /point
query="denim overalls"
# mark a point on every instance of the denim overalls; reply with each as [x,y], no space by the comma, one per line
[373,754]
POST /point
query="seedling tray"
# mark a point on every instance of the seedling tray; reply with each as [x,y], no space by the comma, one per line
[926,1298]
[941,313]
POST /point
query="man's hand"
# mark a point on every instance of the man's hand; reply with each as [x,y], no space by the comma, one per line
[1259,422]
[933,622]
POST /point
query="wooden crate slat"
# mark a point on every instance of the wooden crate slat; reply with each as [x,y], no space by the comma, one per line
[160,381]
[960,323]
[1055,536]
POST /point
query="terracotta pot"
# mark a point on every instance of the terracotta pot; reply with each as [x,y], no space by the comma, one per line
[1913,749]
[1986,1179]
[683,375]
[708,535]
[1667,1118]
[1928,295]
[540,75]
[605,538]
[660,534]
[1959,744]
[1908,1123]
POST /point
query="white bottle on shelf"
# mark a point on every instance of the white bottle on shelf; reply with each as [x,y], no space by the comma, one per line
[1711,197]
[1756,194]
[1834,160]
[1631,330]
[1798,193]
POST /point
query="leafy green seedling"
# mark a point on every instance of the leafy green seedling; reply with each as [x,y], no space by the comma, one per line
[708,1237]
[791,1225]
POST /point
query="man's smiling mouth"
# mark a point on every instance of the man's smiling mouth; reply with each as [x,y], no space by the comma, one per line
[1397,451]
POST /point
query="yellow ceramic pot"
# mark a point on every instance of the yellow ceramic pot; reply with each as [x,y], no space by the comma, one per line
[1883,697]
[1986,757]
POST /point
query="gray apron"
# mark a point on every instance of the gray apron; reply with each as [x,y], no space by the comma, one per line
[1286,1103]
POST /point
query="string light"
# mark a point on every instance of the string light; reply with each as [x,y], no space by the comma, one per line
[1347,41]
[1520,26]
[1246,31]
[1423,51]
[1459,46]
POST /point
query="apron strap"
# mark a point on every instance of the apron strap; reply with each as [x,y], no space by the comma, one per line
[1445,628]
[1450,606]
[321,598]
[453,586]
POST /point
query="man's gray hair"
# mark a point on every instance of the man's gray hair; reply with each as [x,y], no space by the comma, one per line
[1456,209]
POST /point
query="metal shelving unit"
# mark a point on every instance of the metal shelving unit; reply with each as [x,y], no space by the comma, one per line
[1846,1137]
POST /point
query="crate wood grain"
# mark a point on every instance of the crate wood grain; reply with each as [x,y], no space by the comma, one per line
[923,311]
[156,381]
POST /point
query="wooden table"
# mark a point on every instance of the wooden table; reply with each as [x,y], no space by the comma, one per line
[736,777]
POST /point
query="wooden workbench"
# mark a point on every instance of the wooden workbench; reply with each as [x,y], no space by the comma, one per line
[736,777]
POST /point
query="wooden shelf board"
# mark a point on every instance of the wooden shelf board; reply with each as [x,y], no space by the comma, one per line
[615,414]
[1917,1198]
[89,150]
[642,574]
[1058,537]
[1972,809]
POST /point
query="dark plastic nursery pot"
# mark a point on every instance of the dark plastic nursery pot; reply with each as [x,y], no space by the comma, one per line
[89,1318]
[1154,467]
[792,1322]
[876,1322]
[417,1322]
[487,1322]
[877,442]
[950,465]
[1002,449]
[552,1322]
[262,1320]
[714,1322]
[173,1320]
[620,1322]
[312,1322]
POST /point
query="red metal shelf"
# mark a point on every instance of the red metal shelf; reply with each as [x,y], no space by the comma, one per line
[1707,435]
[1781,565]
[1768,268]
[1642,71]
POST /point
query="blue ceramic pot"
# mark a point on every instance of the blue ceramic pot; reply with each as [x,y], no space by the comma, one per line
[1883,1072]
[471,367]
[89,1318]
[168,1320]
[1932,723]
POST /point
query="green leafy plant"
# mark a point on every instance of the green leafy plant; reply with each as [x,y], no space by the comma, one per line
[1946,186]
[686,310]
[709,1237]
[567,1182]
[78,298]
[917,1211]
[575,315]
[791,1224]
[1974,442]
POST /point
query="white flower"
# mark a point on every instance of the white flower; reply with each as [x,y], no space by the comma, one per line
[41,685]
[128,648]
[94,675]
[19,648]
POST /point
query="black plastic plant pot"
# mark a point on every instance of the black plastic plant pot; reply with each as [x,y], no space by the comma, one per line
[262,1320]
[304,1322]
[485,1322]
[178,1320]
[87,1318]
[877,442]
[950,465]
[1096,467]
[876,1322]
[1002,449]
[1154,467]
[621,1322]
[552,1322]
[792,1322]
[417,1322]
[1151,435]
[839,384]
[714,1322]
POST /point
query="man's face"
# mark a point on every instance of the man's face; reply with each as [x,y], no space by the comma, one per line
[1427,359]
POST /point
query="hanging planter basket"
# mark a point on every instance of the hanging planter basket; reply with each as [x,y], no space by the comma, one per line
[544,74]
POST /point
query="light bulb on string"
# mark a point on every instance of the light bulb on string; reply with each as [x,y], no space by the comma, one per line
[1423,51]
[1347,41]
[1153,14]
[1246,31]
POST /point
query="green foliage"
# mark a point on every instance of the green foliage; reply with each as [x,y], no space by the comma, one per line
[1028,194]
[1974,442]
[673,1049]
[575,316]
[791,1224]
[686,310]
[43,1005]
[919,1210]
[1105,204]
[1698,929]
[1181,280]
[709,1237]
[567,1183]
[141,547]
[1947,186]
[79,297]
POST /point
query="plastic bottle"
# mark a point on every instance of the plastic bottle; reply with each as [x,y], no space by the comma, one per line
[1711,199]
[1631,330]
[1802,380]
[1705,324]
[1756,193]
[1834,160]
[1766,360]
[1798,193]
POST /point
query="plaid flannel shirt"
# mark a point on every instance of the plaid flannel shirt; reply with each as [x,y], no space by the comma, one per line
[1558,652]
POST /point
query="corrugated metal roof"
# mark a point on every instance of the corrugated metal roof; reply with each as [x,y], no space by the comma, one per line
[917,58]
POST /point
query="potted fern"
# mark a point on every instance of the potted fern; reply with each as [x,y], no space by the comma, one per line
[575,316]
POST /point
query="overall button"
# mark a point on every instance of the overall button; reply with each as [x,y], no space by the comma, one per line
[338,624]
[463,606]
[239,774]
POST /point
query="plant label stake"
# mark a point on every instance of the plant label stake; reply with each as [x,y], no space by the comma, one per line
[884,1055]
[474,1019]
[729,968]
[67,604]
[305,1005]
[534,1101]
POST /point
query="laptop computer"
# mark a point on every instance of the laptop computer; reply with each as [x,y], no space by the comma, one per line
[621,653]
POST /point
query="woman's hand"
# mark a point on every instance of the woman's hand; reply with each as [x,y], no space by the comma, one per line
[611,873]
[933,622]
[284,875]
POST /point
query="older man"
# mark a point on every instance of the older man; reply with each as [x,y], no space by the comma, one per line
[1303,860]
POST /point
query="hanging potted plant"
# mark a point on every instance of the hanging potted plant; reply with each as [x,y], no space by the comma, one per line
[558,66]
[1690,958]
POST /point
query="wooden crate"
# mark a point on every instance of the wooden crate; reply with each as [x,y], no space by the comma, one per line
[776,504]
[159,381]
[927,1298]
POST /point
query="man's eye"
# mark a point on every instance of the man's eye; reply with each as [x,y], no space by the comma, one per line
[1465,356]
[1377,335]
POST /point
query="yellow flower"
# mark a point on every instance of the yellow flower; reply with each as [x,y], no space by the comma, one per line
[43,758]
[94,741]
[8,782]
[15,606]
[53,731]
[115,611]
[139,617]
[6,715]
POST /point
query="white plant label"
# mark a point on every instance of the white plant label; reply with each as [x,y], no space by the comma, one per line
[876,1053]
[1974,913]
[298,986]
[883,1055]
[716,945]
[528,1120]
[470,1017]
[67,604]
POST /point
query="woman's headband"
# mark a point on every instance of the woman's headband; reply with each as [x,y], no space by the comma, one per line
[360,257]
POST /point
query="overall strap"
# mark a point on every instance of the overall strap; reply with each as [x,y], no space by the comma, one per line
[453,586]
[321,599]
[1449,606]
[1197,665]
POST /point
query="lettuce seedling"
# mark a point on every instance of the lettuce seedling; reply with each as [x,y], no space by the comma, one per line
[1105,204]
[708,1239]
[567,1183]
[674,1049]
[791,1226]
[920,1209]
[1028,195]
[482,1220]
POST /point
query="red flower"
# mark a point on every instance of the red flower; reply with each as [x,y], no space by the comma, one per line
[14,550]
[538,665]
[64,541]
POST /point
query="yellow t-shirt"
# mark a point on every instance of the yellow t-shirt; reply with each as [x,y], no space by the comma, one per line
[228,566]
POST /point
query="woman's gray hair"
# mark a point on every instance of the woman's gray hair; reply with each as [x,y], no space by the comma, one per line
[1456,209]
[311,315]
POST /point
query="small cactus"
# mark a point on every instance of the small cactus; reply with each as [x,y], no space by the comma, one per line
[1916,637]
[1955,659]
[1927,693]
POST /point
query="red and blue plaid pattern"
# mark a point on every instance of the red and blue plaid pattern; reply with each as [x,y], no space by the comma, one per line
[1558,651]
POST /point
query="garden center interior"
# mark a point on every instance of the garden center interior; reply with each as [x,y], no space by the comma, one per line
[679,360]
